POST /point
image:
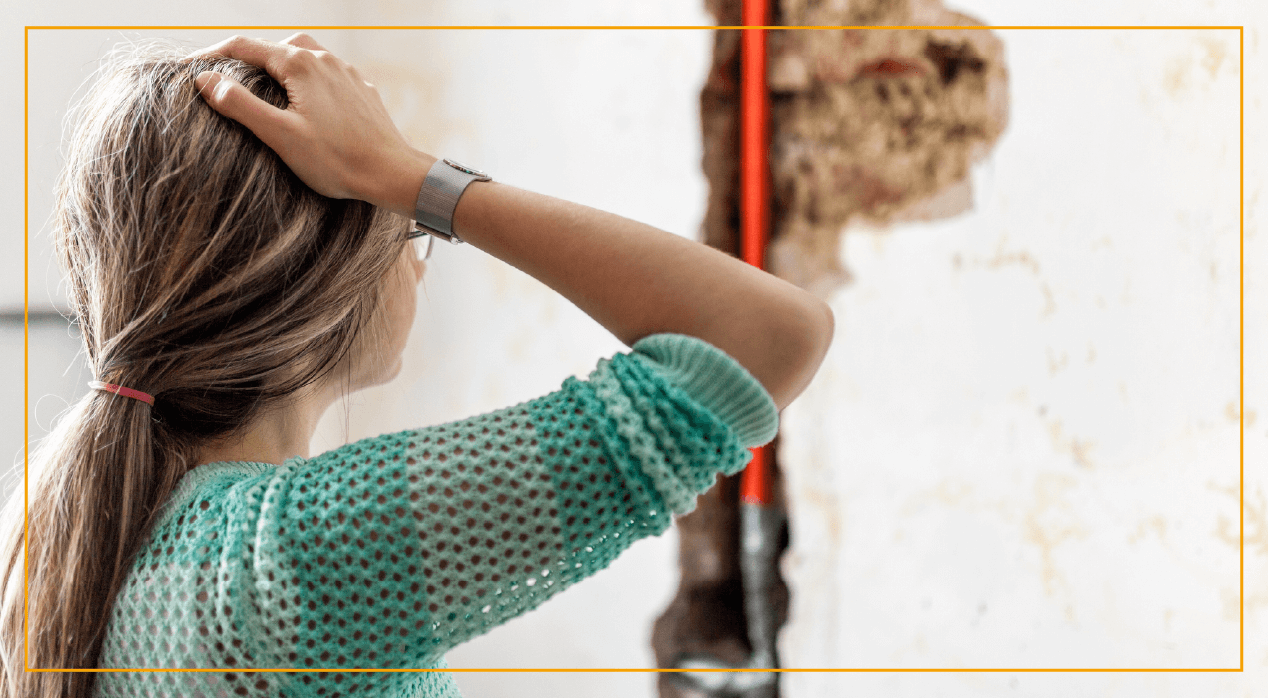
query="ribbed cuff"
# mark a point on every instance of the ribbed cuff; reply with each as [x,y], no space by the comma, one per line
[716,381]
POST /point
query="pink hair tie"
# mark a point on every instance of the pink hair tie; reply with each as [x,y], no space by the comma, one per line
[120,390]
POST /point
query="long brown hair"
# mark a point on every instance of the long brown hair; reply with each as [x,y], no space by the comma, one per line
[201,271]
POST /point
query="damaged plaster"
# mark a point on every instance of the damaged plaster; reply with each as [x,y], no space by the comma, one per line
[874,127]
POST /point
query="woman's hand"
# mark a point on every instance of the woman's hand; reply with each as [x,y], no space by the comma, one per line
[335,135]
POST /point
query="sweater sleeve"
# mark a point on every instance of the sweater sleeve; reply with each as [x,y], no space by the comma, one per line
[389,551]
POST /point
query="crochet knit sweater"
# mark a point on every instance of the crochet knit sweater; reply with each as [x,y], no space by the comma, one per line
[386,552]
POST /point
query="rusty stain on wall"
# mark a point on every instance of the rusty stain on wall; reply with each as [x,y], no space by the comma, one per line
[1176,76]
[1253,539]
[1230,411]
[1078,448]
[1051,521]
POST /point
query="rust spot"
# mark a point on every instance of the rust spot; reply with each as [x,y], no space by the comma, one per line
[890,67]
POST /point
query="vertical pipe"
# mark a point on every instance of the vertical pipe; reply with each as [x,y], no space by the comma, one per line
[759,520]
[755,484]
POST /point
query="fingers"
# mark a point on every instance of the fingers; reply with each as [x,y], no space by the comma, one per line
[241,47]
[231,99]
[302,40]
[259,52]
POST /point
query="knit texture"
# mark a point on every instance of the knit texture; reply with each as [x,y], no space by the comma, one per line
[387,552]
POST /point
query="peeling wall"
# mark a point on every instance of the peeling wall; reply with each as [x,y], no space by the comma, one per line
[874,126]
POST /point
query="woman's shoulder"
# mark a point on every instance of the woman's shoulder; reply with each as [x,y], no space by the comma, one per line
[203,482]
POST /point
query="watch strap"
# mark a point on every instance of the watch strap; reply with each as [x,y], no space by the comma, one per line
[438,197]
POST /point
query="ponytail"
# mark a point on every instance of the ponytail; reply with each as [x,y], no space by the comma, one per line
[87,520]
[202,271]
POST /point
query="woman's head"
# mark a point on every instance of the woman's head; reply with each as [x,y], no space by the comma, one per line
[203,272]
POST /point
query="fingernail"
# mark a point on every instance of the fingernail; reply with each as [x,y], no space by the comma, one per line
[206,77]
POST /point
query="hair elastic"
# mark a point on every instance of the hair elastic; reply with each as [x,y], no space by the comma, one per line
[120,390]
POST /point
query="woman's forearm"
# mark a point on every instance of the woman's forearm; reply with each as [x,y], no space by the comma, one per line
[637,280]
[337,136]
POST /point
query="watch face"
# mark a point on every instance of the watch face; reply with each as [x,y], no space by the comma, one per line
[464,168]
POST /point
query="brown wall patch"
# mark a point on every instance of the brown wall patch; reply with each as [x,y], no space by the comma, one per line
[874,126]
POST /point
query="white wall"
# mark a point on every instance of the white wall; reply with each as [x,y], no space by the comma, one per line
[1023,448]
[1024,458]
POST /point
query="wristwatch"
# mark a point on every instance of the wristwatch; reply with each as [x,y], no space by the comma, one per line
[437,199]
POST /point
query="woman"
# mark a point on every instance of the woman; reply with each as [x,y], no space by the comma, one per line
[234,226]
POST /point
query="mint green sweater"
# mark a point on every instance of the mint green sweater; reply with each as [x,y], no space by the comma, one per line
[387,552]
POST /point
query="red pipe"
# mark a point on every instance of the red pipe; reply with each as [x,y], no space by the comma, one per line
[755,483]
